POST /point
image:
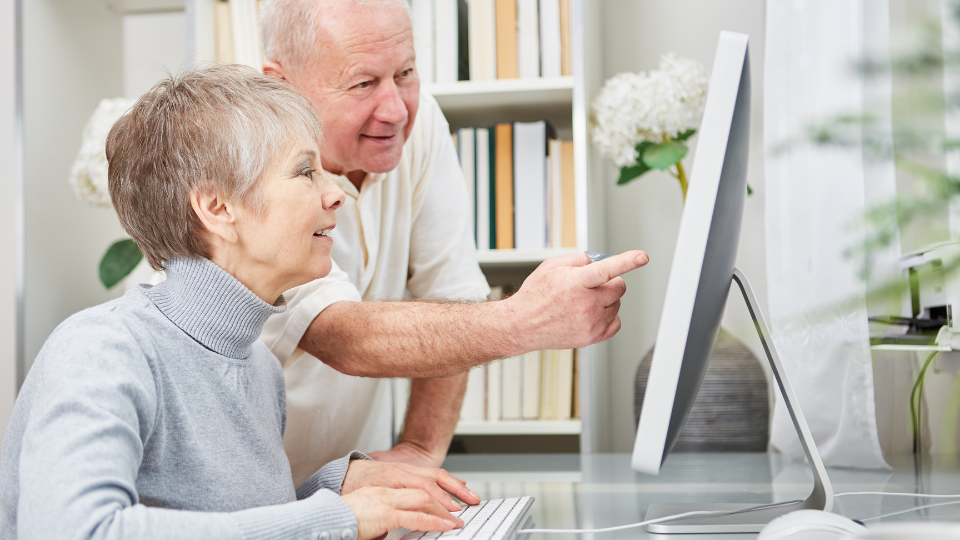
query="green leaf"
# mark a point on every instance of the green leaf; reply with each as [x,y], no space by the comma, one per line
[685,135]
[120,259]
[749,190]
[663,155]
[629,173]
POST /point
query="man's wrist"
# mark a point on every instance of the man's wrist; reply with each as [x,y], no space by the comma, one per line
[513,328]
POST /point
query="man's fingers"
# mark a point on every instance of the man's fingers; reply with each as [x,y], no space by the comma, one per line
[600,272]
[570,259]
[611,291]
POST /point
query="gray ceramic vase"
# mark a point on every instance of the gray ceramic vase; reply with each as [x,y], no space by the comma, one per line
[732,411]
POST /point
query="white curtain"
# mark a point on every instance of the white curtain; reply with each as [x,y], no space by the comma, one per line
[815,197]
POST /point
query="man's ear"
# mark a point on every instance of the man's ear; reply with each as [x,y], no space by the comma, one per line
[273,69]
[218,216]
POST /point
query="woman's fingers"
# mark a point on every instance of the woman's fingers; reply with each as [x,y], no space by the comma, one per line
[380,510]
[455,486]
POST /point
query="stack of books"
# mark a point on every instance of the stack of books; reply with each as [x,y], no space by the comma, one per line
[521,181]
[540,385]
[481,40]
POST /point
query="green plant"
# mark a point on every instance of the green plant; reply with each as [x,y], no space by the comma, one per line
[120,259]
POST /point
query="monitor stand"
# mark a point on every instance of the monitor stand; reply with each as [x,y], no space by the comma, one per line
[751,522]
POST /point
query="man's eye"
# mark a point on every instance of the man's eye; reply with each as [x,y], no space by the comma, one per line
[364,84]
[405,73]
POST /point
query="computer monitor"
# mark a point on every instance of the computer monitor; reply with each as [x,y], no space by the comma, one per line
[697,290]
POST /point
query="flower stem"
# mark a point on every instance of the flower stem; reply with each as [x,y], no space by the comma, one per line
[682,177]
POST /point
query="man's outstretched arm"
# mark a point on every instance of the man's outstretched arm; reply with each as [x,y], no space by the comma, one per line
[565,303]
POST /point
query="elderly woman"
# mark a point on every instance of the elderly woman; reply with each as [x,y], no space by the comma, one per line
[159,414]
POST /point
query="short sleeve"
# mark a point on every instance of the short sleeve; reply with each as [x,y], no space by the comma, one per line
[283,331]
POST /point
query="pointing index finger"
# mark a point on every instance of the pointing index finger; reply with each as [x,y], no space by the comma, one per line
[602,271]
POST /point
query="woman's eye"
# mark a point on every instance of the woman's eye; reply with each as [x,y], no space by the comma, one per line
[308,173]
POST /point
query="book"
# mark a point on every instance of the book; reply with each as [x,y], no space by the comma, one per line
[483,40]
[528,39]
[223,32]
[547,384]
[554,193]
[512,387]
[445,34]
[576,383]
[463,40]
[550,38]
[421,15]
[504,186]
[531,386]
[492,131]
[564,398]
[568,187]
[483,188]
[494,385]
[473,408]
[506,13]
[467,151]
[566,40]
[530,184]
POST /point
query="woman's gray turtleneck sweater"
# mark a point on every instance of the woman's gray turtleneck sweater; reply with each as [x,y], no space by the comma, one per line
[160,415]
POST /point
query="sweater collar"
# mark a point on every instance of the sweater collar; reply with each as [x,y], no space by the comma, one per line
[211,306]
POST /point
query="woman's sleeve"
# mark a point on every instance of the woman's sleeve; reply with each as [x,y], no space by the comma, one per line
[92,407]
[330,476]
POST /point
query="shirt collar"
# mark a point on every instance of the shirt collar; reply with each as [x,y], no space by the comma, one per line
[211,306]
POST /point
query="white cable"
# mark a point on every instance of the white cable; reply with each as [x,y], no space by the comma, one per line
[908,510]
[915,495]
[658,520]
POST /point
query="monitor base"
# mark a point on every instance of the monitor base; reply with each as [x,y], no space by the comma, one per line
[751,522]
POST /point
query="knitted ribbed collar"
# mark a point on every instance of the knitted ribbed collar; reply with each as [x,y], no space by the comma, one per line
[211,306]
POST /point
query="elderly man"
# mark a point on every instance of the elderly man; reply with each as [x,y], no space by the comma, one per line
[404,226]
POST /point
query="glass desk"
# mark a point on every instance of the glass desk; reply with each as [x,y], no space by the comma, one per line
[600,490]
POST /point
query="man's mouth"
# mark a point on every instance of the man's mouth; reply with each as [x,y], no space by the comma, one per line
[386,139]
[323,232]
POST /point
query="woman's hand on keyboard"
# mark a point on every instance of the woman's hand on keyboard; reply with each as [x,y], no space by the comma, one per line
[380,510]
[435,482]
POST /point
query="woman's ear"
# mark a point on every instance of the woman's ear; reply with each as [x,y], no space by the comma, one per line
[218,216]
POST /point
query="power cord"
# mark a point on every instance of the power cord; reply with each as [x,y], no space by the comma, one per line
[916,405]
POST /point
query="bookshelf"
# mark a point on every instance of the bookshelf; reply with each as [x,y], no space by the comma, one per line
[564,102]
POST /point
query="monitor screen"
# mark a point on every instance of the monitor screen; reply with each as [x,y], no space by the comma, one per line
[703,263]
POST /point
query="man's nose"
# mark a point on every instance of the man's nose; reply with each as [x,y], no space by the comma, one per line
[390,107]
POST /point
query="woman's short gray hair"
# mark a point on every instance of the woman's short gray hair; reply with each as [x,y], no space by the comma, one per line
[288,28]
[211,129]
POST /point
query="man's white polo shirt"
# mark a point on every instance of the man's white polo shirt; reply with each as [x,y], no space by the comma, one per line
[407,229]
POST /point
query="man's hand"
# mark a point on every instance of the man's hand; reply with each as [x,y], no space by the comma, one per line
[567,302]
[434,482]
[409,453]
[380,510]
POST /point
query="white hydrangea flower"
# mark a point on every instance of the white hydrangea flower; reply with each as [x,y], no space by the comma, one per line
[88,176]
[636,107]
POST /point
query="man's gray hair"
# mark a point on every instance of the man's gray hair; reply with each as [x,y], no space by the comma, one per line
[212,129]
[288,28]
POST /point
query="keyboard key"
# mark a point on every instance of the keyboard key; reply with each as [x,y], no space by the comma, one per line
[478,520]
[490,527]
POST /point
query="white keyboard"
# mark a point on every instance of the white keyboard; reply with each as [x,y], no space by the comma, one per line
[495,519]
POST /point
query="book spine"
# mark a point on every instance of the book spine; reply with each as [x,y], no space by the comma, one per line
[528,39]
[492,131]
[512,388]
[564,408]
[555,194]
[467,152]
[483,189]
[421,12]
[529,182]
[473,399]
[569,210]
[566,40]
[504,186]
[507,39]
[550,62]
[446,66]
[531,385]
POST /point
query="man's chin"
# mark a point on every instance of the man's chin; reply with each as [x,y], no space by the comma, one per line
[382,162]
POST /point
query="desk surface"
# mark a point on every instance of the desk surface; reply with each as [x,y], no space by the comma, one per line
[600,490]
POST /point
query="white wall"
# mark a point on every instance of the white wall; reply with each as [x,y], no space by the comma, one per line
[8,344]
[72,59]
[645,214]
